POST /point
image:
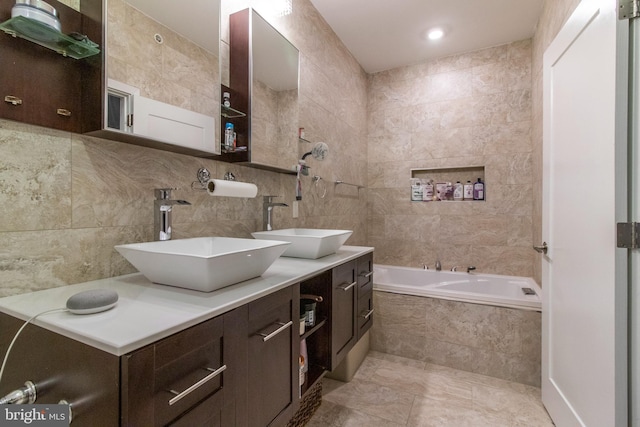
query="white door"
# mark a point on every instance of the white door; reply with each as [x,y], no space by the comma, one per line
[584,335]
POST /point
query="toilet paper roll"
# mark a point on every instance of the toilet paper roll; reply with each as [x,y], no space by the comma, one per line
[220,187]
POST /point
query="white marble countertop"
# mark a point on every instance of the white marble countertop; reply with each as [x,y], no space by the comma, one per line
[147,312]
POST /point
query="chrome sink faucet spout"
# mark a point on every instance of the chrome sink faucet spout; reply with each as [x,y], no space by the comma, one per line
[162,208]
[267,208]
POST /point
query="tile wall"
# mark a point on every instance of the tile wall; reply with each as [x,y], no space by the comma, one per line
[472,109]
[68,199]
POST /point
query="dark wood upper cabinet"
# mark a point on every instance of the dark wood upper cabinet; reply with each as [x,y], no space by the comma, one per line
[50,89]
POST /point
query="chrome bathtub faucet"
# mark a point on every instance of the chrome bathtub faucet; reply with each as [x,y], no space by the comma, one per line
[469,269]
[438,265]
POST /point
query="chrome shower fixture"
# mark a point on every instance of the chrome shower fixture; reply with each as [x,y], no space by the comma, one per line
[320,151]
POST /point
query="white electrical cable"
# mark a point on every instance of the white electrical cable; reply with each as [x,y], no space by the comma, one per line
[15,337]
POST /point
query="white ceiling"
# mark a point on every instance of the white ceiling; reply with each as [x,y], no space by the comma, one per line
[385,34]
[382,34]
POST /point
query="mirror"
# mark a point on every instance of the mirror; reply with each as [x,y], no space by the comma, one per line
[261,70]
[73,4]
[274,97]
[163,74]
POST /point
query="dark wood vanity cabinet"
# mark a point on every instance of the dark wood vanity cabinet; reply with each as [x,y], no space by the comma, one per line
[42,87]
[364,310]
[344,300]
[273,358]
[61,369]
[194,377]
[241,368]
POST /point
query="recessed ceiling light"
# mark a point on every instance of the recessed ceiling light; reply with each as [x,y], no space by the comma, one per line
[435,34]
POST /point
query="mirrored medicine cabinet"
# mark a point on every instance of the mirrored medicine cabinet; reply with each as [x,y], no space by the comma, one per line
[260,71]
[162,85]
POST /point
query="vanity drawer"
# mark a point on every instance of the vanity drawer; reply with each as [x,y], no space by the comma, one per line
[365,313]
[365,274]
[165,380]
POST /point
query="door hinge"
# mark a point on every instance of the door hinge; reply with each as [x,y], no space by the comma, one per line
[628,235]
[129,120]
[628,9]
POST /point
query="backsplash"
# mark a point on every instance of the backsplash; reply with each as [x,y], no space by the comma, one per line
[68,199]
[463,111]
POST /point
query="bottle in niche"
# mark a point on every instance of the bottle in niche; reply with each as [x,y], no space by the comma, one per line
[449,192]
[229,137]
[427,190]
[478,190]
[226,99]
[468,191]
[458,191]
[416,190]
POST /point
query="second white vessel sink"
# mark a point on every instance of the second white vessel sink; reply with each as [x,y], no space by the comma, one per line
[202,263]
[310,243]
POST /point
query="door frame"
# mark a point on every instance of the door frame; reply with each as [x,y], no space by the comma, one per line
[584,12]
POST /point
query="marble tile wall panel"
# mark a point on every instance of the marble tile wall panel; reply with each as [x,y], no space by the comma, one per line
[35,178]
[496,341]
[472,109]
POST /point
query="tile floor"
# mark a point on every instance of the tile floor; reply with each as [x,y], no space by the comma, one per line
[394,391]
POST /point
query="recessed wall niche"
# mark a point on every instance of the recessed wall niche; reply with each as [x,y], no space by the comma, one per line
[451,174]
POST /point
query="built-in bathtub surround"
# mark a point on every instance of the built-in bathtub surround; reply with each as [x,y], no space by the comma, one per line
[495,341]
[467,110]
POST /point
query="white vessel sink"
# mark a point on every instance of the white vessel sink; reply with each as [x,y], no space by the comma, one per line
[308,243]
[202,263]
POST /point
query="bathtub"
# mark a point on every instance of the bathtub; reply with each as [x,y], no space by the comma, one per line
[489,289]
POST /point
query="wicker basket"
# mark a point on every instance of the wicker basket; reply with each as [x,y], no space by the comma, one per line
[308,406]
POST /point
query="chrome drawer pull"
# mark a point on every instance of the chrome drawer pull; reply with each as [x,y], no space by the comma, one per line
[283,326]
[345,287]
[63,112]
[13,100]
[366,275]
[197,385]
[366,316]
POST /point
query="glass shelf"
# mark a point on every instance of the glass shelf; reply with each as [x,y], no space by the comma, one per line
[48,37]
[230,113]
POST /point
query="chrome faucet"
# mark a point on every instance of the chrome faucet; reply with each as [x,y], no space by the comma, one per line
[162,207]
[267,208]
[469,269]
[438,265]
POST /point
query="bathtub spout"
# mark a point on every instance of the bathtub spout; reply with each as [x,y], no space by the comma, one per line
[469,269]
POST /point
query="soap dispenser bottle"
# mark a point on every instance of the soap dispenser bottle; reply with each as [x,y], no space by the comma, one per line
[458,191]
[468,191]
[478,190]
